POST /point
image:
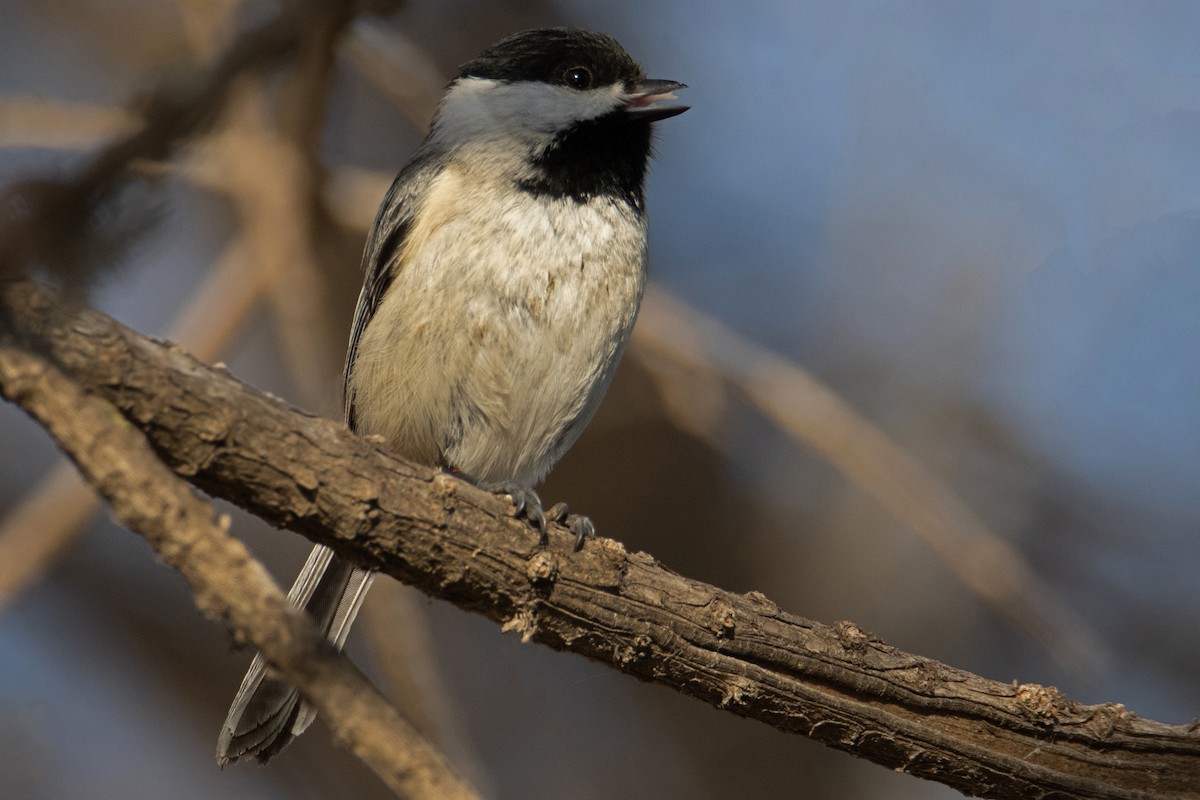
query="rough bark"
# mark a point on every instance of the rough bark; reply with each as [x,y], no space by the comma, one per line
[227,583]
[739,652]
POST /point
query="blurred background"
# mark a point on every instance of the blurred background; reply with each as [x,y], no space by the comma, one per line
[975,224]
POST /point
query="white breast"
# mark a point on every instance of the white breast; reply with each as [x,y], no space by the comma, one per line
[497,339]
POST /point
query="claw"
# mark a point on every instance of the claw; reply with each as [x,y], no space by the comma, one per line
[526,503]
[578,524]
[582,527]
[534,513]
[557,512]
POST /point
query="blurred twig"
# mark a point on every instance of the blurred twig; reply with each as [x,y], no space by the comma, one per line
[353,195]
[37,531]
[399,66]
[227,583]
[266,178]
[40,122]
[51,516]
[403,642]
[40,528]
[48,222]
[248,161]
[299,305]
[207,25]
[671,334]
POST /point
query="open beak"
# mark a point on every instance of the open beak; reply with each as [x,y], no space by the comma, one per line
[650,100]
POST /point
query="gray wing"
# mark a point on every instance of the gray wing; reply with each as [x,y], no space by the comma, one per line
[381,257]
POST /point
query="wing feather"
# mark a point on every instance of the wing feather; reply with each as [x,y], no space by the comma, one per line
[383,255]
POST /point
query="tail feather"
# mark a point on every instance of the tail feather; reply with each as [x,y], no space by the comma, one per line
[267,713]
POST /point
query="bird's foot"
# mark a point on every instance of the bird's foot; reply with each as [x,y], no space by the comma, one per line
[526,503]
[578,524]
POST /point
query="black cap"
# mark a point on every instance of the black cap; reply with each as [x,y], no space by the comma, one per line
[550,55]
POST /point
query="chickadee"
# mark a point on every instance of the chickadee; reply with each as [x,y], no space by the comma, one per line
[503,275]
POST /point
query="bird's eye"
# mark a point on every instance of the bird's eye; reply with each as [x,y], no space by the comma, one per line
[578,78]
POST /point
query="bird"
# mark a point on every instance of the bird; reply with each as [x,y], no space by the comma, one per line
[502,278]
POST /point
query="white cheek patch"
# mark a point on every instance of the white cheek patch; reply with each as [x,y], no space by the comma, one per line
[482,109]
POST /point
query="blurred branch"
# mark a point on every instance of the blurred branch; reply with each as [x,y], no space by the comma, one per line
[414,677]
[300,304]
[671,335]
[38,122]
[248,161]
[50,517]
[207,25]
[738,652]
[46,221]
[353,195]
[270,186]
[229,586]
[41,527]
[399,66]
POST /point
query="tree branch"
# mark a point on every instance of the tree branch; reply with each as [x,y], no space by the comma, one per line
[228,584]
[836,684]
